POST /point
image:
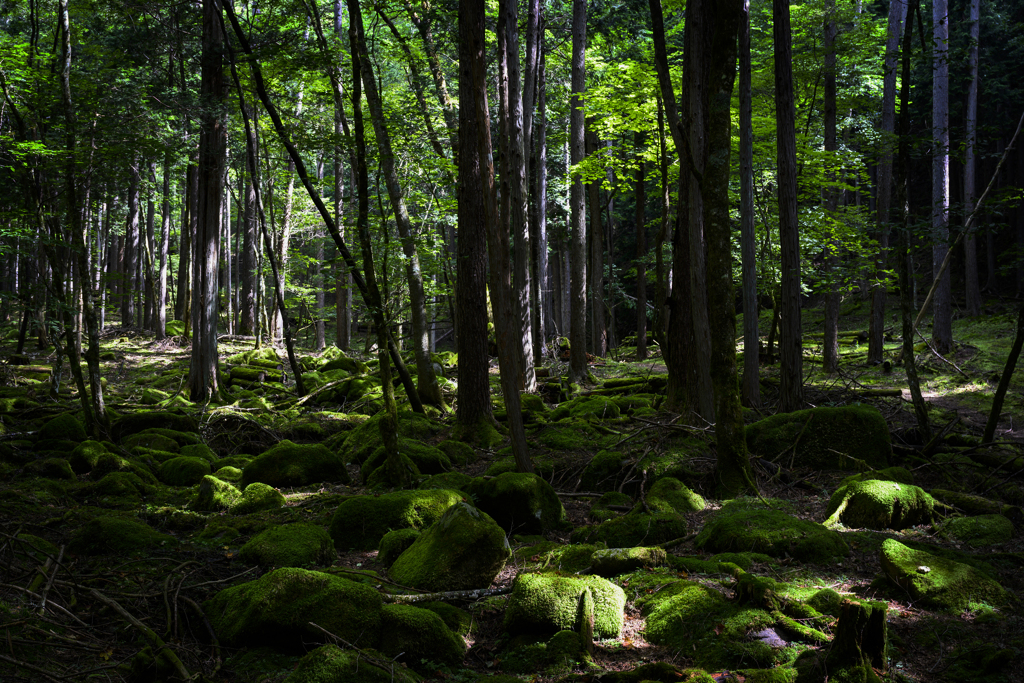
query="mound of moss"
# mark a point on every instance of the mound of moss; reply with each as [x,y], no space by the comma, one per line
[361,522]
[123,535]
[520,502]
[824,438]
[546,603]
[977,531]
[671,495]
[587,408]
[458,452]
[415,635]
[742,525]
[215,495]
[51,468]
[394,544]
[290,464]
[428,460]
[362,441]
[330,663]
[291,545]
[257,497]
[879,504]
[151,440]
[615,561]
[184,471]
[600,510]
[137,422]
[85,456]
[938,582]
[456,481]
[603,471]
[64,427]
[464,549]
[633,529]
[119,489]
[276,609]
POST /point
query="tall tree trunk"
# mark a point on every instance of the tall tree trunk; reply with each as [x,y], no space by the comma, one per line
[970,247]
[790,338]
[639,141]
[343,279]
[748,238]
[830,352]
[203,371]
[130,251]
[577,217]
[183,302]
[598,330]
[227,279]
[422,22]
[165,242]
[247,274]
[942,308]
[149,250]
[540,297]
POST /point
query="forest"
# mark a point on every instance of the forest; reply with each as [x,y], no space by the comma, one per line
[511,341]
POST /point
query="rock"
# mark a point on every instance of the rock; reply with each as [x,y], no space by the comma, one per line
[181,438]
[746,526]
[977,505]
[615,561]
[291,545]
[199,450]
[275,610]
[64,427]
[117,535]
[418,634]
[947,584]
[215,495]
[633,529]
[85,456]
[520,502]
[184,471]
[587,408]
[228,473]
[427,459]
[458,452]
[455,481]
[51,468]
[857,432]
[330,663]
[137,422]
[879,504]
[257,497]
[151,397]
[671,495]
[603,471]
[365,439]
[464,549]
[360,523]
[125,488]
[290,464]
[394,544]
[545,603]
[977,531]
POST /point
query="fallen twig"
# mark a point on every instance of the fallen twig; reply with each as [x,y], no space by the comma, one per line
[472,594]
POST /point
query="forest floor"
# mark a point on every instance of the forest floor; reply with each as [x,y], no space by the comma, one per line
[68,616]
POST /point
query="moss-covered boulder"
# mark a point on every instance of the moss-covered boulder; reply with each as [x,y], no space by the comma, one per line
[215,495]
[85,456]
[51,468]
[587,408]
[545,603]
[457,620]
[394,544]
[291,464]
[184,471]
[610,505]
[464,549]
[825,438]
[879,504]
[615,561]
[428,460]
[331,664]
[415,635]
[671,495]
[458,452]
[603,471]
[228,473]
[360,523]
[899,474]
[276,610]
[291,545]
[257,497]
[744,525]
[977,531]
[937,582]
[122,535]
[362,441]
[520,502]
[199,450]
[64,427]
[126,488]
[181,438]
[456,481]
[137,422]
[634,529]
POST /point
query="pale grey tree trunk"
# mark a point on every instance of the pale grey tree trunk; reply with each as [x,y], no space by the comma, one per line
[942,308]
[577,215]
[971,115]
[751,384]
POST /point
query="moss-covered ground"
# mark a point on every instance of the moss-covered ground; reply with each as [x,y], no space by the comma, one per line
[109,554]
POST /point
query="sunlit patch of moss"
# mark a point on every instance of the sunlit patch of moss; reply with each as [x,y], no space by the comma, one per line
[290,545]
[545,603]
[938,582]
[361,522]
[977,531]
[879,504]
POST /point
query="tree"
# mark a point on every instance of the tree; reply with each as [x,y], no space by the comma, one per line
[942,308]
[971,283]
[830,351]
[577,216]
[748,246]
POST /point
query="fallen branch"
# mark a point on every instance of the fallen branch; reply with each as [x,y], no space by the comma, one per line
[473,594]
[25,665]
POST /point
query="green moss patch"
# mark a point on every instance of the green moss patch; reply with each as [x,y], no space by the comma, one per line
[291,464]
[827,438]
[545,603]
[137,422]
[879,504]
[603,472]
[428,460]
[85,456]
[520,502]
[394,544]
[257,497]
[104,535]
[360,523]
[615,561]
[977,531]
[151,440]
[634,529]
[64,427]
[184,471]
[330,664]
[215,495]
[362,441]
[290,545]
[671,495]
[414,635]
[936,581]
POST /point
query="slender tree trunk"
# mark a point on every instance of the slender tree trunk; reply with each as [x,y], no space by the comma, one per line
[942,308]
[165,242]
[183,303]
[830,352]
[149,249]
[577,217]
[599,332]
[970,247]
[790,338]
[541,294]
[748,238]
[422,21]
[227,280]
[639,141]
[343,279]
[129,259]
[247,275]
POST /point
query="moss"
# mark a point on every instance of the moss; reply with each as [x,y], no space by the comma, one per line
[615,561]
[394,544]
[117,535]
[64,427]
[151,397]
[743,560]
[457,620]
[413,634]
[568,436]
[125,488]
[184,471]
[199,450]
[458,452]
[482,434]
[464,549]
[634,529]
[599,511]
[878,504]
[545,603]
[382,477]
[571,559]
[137,422]
[290,545]
[362,441]
[456,481]
[85,456]
[826,601]
[291,464]
[428,460]
[937,582]
[671,495]
[521,502]
[899,474]
[276,610]
[858,432]
[662,672]
[603,471]
[741,525]
[229,473]
[587,408]
[330,663]
[977,531]
[257,497]
[51,468]
[360,523]
[181,438]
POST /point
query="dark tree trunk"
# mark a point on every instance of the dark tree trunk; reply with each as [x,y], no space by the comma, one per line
[830,352]
[942,307]
[972,284]
[599,332]
[247,274]
[130,250]
[641,252]
[748,238]
[540,297]
[577,217]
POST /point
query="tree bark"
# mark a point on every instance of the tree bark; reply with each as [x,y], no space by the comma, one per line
[165,242]
[942,308]
[748,238]
[830,350]
[639,140]
[599,332]
[247,315]
[540,297]
[130,251]
[972,283]
[577,217]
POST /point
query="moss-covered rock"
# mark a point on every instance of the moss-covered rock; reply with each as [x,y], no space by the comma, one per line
[151,397]
[51,468]
[459,621]
[64,427]
[827,438]
[977,531]
[184,471]
[743,525]
[482,434]
[603,471]
[257,497]
[228,473]
[291,464]
[215,495]
[615,561]
[362,441]
[85,456]
[671,495]
[383,477]
[520,502]
[879,504]
[394,544]
[458,452]
[360,523]
[199,450]
[428,460]
[414,635]
[633,529]
[601,510]
[464,549]
[587,408]
[330,664]
[276,609]
[181,438]
[456,481]
[137,422]
[545,603]
[291,545]
[937,582]
[117,535]
[900,474]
